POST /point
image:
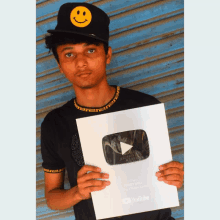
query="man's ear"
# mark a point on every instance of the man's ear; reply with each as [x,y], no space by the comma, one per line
[109,55]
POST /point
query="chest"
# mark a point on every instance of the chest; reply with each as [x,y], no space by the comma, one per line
[69,148]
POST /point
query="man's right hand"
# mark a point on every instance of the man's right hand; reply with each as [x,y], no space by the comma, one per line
[87,182]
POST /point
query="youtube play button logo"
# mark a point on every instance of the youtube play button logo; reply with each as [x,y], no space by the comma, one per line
[125,147]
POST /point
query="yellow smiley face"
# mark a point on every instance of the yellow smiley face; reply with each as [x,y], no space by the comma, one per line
[80,16]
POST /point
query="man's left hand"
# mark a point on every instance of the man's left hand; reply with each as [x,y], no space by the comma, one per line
[171,173]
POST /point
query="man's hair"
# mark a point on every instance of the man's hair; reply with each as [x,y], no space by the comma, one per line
[52,41]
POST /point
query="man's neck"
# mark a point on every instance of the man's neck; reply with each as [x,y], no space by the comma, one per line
[97,96]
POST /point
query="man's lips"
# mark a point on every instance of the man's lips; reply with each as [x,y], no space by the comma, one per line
[83,74]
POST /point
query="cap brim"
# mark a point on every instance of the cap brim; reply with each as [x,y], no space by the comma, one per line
[77,33]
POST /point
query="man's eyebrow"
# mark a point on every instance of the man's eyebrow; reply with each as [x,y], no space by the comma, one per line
[84,45]
[66,48]
[88,44]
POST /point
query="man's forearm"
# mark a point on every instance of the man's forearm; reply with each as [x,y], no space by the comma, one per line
[59,199]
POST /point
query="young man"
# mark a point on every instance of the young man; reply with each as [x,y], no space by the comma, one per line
[80,46]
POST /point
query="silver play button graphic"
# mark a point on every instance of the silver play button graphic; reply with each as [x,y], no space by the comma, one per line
[125,147]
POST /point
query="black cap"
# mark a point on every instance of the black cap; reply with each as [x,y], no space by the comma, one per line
[84,19]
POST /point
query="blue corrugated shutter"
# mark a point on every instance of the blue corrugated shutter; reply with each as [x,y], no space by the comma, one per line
[147,38]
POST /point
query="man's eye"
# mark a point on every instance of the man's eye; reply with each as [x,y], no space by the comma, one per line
[91,50]
[69,55]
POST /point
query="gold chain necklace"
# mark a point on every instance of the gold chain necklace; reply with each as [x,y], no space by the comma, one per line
[85,109]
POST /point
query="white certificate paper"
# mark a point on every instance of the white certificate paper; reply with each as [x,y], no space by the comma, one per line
[131,161]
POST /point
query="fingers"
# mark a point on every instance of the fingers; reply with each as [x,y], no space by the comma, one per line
[92,175]
[173,179]
[87,187]
[88,180]
[170,177]
[96,183]
[95,188]
[170,171]
[86,192]
[171,164]
[88,168]
[178,184]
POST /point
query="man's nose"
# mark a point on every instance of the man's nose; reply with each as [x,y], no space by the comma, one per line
[81,61]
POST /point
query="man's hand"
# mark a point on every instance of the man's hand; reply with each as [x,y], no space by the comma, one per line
[87,182]
[171,173]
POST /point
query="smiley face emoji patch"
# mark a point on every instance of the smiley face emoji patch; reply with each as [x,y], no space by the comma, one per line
[80,16]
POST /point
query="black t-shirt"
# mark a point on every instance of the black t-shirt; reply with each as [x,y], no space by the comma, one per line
[60,145]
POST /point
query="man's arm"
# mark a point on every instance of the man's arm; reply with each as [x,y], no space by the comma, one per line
[59,198]
[56,196]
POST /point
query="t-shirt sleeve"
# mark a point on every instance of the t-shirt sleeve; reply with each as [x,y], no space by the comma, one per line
[52,162]
[154,100]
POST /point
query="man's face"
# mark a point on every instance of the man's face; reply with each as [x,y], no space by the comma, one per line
[84,65]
